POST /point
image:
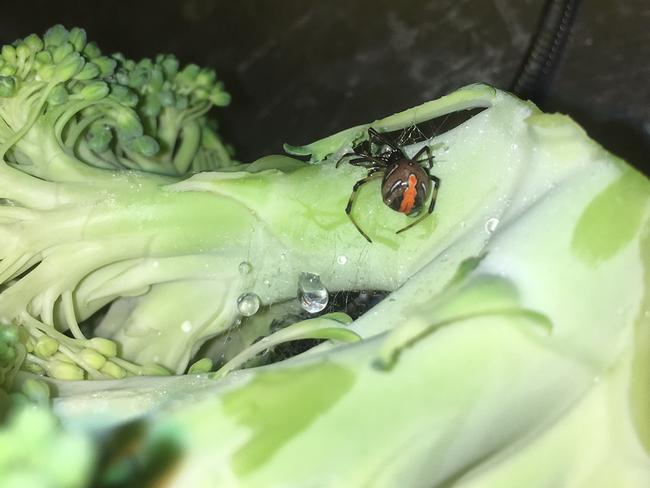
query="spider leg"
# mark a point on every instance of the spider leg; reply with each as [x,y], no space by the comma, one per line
[346,155]
[372,133]
[372,174]
[418,155]
[434,195]
[371,162]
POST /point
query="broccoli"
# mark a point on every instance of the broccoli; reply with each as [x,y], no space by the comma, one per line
[80,131]
[513,347]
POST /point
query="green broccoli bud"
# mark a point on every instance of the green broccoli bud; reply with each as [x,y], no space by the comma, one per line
[203,365]
[139,76]
[169,65]
[63,370]
[46,346]
[106,65]
[128,124]
[34,42]
[219,97]
[94,90]
[69,66]
[43,57]
[152,105]
[77,37]
[113,370]
[167,98]
[156,78]
[55,36]
[88,72]
[8,71]
[60,52]
[145,145]
[22,53]
[58,95]
[124,95]
[9,54]
[7,354]
[7,86]
[9,333]
[92,358]
[46,71]
[36,391]
[92,51]
[99,137]
[105,347]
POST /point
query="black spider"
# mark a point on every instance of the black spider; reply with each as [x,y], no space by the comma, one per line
[407,183]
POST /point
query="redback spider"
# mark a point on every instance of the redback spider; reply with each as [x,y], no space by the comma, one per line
[406,184]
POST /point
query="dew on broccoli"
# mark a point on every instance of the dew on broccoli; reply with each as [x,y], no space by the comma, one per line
[248,304]
[312,293]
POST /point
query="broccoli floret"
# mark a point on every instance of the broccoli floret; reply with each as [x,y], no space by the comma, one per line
[64,103]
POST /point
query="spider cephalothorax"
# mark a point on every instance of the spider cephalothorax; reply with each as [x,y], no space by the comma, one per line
[406,184]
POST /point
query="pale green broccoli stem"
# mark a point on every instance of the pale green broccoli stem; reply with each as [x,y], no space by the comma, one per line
[69,314]
[30,122]
[189,145]
[168,127]
[331,326]
[75,132]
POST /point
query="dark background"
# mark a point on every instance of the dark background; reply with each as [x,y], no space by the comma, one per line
[300,70]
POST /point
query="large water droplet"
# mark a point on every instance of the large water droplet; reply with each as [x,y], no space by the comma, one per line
[311,292]
[245,267]
[491,225]
[248,304]
[342,259]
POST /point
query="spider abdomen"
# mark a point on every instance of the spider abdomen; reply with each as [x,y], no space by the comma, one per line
[405,187]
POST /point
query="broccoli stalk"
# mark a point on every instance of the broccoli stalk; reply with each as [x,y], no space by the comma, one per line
[516,353]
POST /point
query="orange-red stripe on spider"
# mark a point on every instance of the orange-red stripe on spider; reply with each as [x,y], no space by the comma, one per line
[408,198]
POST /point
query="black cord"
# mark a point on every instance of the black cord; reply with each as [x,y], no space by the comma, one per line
[545,49]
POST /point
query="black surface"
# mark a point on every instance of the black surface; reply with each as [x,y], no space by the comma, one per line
[300,70]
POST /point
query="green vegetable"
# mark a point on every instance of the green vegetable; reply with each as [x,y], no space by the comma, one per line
[512,350]
[35,452]
[72,125]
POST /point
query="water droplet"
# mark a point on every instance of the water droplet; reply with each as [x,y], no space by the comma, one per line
[311,292]
[267,283]
[491,225]
[342,259]
[283,255]
[248,304]
[155,264]
[186,326]
[245,267]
